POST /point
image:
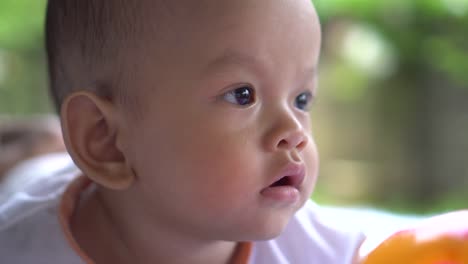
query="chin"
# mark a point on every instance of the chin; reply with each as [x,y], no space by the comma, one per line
[265,230]
[268,235]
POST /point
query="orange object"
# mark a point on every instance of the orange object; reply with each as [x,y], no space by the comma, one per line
[439,240]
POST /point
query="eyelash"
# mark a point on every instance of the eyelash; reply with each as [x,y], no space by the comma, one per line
[245,96]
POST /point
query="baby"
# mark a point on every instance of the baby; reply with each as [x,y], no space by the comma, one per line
[190,122]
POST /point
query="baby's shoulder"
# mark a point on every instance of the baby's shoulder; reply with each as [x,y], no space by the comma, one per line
[31,239]
[30,231]
[38,178]
[310,239]
[35,238]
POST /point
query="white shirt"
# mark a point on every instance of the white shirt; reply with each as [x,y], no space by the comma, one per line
[30,231]
[29,228]
[308,239]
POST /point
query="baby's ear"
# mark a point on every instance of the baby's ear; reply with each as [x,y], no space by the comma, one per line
[91,131]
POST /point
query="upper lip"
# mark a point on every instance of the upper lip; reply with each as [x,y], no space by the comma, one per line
[292,174]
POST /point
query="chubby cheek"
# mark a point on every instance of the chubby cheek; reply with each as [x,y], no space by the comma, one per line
[311,160]
[224,170]
[201,166]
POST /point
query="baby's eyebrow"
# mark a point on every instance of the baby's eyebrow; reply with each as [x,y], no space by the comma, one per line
[255,63]
[231,57]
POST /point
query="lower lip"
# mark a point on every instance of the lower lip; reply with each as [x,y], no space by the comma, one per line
[283,194]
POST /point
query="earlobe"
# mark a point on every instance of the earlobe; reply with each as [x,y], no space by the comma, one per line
[91,131]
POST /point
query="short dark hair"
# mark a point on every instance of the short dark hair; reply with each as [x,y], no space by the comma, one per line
[86,41]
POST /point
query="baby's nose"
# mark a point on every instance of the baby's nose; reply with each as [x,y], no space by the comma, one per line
[287,133]
[293,140]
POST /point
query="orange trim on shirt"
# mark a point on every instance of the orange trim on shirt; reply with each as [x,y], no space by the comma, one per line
[242,253]
[68,204]
[67,207]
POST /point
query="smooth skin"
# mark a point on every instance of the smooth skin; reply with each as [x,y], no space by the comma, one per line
[223,99]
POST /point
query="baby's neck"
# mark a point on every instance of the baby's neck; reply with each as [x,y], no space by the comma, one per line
[107,236]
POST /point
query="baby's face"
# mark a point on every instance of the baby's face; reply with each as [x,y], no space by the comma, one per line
[224,148]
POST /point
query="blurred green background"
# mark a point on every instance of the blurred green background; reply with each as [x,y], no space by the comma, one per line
[391,119]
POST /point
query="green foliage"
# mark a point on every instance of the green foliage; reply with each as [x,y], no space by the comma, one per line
[22,72]
[418,106]
[424,33]
[366,9]
[21,23]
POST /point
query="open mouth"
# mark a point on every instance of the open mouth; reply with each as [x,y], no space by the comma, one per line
[286,189]
[291,176]
[285,181]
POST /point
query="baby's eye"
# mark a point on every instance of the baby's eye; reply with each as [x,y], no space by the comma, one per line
[303,101]
[241,96]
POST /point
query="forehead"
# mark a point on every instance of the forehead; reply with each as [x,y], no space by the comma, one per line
[196,41]
[224,15]
[218,27]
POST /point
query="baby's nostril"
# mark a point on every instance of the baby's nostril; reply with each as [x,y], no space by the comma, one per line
[301,145]
[292,143]
[283,144]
